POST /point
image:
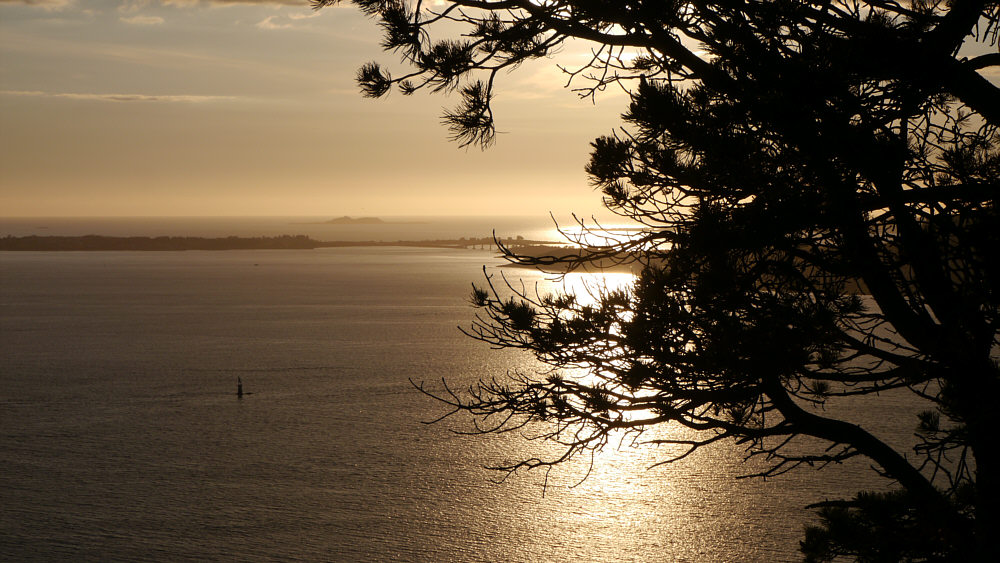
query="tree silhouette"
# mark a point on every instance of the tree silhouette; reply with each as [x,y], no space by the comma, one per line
[817,183]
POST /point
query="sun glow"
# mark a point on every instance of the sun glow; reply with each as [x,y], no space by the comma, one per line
[603,234]
[589,286]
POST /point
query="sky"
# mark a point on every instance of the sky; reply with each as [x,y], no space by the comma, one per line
[234,108]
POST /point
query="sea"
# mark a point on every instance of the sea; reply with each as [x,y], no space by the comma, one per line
[122,437]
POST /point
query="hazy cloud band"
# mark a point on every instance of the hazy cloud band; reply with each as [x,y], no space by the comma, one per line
[59,4]
[170,98]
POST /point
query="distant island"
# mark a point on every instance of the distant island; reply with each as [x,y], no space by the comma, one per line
[345,220]
[348,220]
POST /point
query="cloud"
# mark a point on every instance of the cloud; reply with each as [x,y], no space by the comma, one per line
[132,6]
[288,21]
[142,20]
[174,57]
[269,23]
[47,5]
[169,98]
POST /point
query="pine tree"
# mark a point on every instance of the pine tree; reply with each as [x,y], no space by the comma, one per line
[816,180]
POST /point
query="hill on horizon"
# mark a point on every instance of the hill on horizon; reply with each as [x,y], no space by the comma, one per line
[347,220]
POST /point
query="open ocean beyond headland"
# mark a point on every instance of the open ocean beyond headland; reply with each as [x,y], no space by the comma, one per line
[121,438]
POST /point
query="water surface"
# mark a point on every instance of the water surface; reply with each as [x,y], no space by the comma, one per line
[121,437]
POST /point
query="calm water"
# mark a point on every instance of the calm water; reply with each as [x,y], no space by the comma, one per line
[121,437]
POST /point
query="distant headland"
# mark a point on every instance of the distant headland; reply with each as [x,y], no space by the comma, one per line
[522,246]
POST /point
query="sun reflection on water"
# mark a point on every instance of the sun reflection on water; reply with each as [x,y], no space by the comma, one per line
[620,505]
[620,502]
[588,286]
[594,235]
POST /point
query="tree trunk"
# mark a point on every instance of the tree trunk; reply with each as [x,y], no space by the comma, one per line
[985,445]
[987,525]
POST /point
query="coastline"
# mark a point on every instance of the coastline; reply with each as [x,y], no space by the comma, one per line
[85,243]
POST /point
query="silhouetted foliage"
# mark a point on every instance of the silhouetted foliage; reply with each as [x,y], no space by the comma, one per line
[885,527]
[787,158]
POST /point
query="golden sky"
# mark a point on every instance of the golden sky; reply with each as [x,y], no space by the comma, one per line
[189,107]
